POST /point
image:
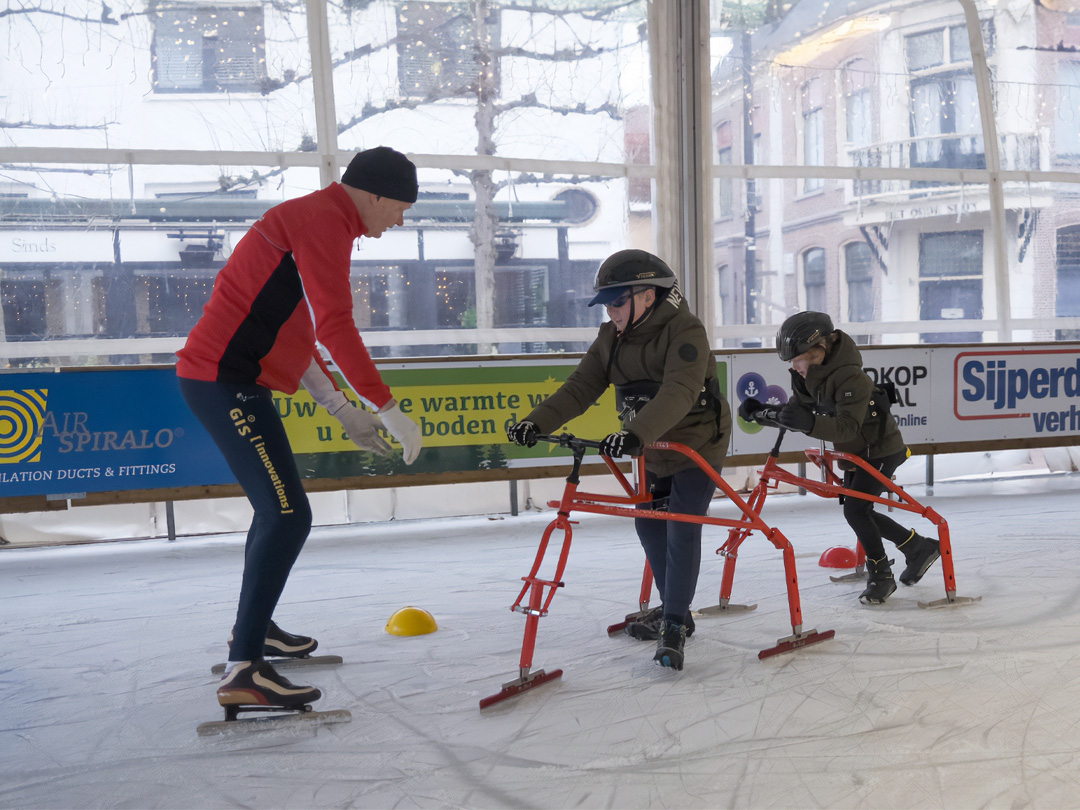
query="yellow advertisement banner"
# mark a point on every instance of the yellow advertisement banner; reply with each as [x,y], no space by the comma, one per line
[449,413]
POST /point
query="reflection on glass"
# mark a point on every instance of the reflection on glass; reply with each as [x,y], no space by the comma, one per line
[158,75]
[851,86]
[549,80]
[209,50]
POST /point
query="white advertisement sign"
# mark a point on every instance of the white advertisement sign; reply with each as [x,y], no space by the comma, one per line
[947,395]
[1009,391]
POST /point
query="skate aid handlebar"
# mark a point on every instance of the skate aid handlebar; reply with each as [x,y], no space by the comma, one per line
[569,440]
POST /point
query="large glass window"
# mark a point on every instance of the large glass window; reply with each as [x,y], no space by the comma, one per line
[723,157]
[1068,279]
[814,279]
[858,107]
[813,131]
[1068,110]
[950,282]
[436,51]
[25,308]
[945,124]
[203,49]
[540,153]
[859,273]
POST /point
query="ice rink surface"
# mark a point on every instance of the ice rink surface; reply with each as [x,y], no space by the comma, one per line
[107,649]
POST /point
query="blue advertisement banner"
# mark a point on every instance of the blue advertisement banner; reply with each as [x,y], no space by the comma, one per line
[101,431]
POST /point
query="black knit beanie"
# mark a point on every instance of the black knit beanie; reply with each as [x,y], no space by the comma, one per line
[383,171]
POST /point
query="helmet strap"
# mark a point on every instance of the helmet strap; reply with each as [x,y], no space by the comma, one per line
[631,323]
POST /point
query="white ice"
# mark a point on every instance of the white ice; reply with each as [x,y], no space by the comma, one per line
[105,655]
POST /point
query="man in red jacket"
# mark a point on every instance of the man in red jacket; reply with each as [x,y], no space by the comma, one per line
[285,286]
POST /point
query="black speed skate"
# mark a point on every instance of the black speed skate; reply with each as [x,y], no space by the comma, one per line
[279,644]
[669,645]
[255,684]
[286,650]
[254,687]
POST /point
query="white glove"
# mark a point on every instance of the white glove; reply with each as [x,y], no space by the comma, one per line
[363,428]
[405,430]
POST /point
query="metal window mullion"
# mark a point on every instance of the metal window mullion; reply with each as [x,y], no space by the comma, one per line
[682,152]
[991,148]
[697,185]
[322,75]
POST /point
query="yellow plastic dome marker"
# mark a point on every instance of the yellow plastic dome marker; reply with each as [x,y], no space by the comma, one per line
[411,621]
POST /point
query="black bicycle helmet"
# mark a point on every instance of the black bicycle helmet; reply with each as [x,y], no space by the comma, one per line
[801,331]
[629,268]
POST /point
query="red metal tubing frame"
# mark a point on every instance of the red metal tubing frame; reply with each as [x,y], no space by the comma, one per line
[730,549]
[534,586]
[600,504]
[773,474]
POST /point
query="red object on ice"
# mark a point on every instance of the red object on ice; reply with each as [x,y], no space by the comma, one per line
[838,557]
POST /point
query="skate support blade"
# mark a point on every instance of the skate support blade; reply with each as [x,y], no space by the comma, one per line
[725,607]
[277,717]
[795,642]
[950,601]
[854,576]
[519,685]
[291,663]
[636,616]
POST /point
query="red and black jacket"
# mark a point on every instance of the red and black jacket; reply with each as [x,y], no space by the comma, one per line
[290,268]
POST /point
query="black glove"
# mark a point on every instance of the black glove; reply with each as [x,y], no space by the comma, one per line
[523,433]
[618,444]
[748,408]
[794,416]
[753,411]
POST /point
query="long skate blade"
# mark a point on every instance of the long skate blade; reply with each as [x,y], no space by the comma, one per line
[792,643]
[292,663]
[715,610]
[288,719]
[514,688]
[950,602]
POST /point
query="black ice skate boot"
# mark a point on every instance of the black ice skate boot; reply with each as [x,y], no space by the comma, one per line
[669,646]
[647,628]
[256,683]
[279,644]
[879,582]
[919,554]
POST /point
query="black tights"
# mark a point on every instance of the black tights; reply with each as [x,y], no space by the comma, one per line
[871,526]
[245,425]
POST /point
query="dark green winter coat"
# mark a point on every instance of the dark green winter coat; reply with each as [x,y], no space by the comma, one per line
[667,354]
[850,412]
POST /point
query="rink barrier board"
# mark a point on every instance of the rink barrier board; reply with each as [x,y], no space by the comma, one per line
[112,435]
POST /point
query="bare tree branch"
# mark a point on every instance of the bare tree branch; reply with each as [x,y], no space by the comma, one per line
[65,127]
[530,101]
[105,18]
